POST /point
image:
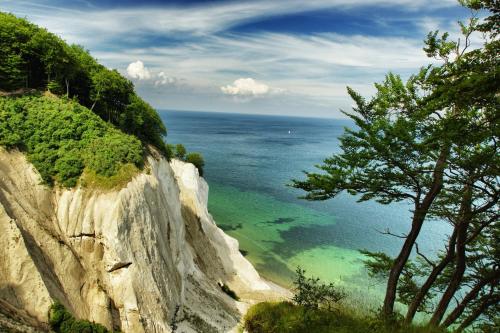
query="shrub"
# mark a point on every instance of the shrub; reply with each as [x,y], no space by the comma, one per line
[180,151]
[170,151]
[105,155]
[197,160]
[312,294]
[61,321]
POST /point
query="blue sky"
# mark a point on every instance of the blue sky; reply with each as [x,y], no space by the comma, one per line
[270,57]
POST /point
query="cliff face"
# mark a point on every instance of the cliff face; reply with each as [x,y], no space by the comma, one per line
[134,259]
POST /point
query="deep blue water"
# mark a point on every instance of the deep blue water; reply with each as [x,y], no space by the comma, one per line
[255,156]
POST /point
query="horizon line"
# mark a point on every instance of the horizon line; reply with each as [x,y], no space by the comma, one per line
[253,114]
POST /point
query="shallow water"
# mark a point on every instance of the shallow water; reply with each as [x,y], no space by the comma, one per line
[250,159]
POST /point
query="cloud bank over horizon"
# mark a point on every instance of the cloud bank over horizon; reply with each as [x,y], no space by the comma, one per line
[278,57]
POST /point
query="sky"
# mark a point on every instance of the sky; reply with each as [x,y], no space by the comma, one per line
[277,57]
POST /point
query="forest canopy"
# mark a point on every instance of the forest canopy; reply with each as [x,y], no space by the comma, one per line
[68,113]
[33,58]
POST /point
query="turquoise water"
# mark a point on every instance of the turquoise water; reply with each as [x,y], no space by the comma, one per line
[250,159]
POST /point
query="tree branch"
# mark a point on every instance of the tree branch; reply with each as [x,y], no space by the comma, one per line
[423,256]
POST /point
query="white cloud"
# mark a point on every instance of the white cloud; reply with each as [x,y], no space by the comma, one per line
[247,87]
[137,70]
[163,79]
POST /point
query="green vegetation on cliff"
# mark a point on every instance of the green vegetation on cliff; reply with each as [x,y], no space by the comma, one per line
[62,321]
[318,307]
[32,57]
[287,317]
[62,139]
[89,121]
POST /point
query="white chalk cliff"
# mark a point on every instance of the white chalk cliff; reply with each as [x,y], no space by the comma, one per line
[126,258]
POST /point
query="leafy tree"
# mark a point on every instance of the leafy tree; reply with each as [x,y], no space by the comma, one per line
[398,153]
[14,35]
[410,145]
[110,94]
[197,160]
[141,120]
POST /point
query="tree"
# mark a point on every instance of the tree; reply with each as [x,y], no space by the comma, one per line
[110,94]
[140,119]
[197,160]
[180,151]
[399,153]
[410,145]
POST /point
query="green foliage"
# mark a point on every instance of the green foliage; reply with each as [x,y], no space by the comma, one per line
[170,149]
[378,264]
[180,151]
[124,174]
[61,321]
[228,291]
[432,141]
[140,119]
[62,139]
[31,57]
[197,160]
[311,293]
[268,317]
[54,87]
[102,153]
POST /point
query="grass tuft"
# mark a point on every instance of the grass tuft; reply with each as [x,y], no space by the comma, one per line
[91,180]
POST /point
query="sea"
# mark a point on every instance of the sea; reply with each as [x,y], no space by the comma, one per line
[249,162]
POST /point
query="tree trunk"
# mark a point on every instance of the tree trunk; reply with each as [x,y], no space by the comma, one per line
[67,87]
[420,296]
[479,310]
[419,215]
[471,295]
[456,279]
[95,101]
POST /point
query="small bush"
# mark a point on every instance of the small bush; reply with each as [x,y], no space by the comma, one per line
[312,294]
[180,151]
[170,151]
[61,321]
[197,160]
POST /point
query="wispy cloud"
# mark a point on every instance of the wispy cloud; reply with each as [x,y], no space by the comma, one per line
[198,20]
[196,46]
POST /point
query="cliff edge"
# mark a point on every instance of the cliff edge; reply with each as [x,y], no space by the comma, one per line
[136,259]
